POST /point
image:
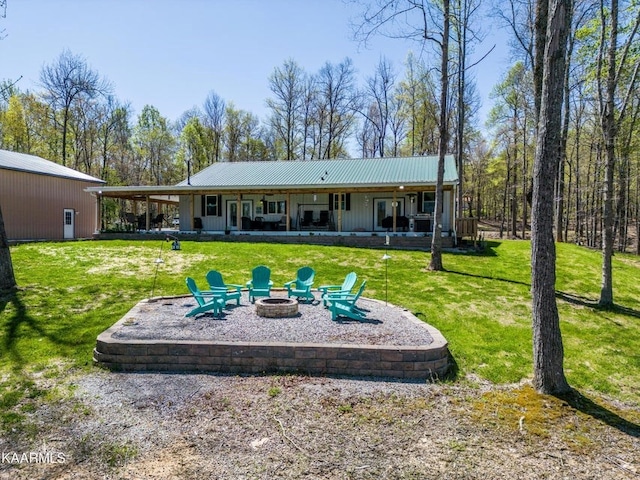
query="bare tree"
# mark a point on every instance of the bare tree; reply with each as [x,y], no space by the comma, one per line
[379,103]
[67,80]
[423,21]
[287,84]
[548,352]
[337,102]
[214,110]
[464,11]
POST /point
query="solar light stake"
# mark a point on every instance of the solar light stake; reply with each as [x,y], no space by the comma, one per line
[386,258]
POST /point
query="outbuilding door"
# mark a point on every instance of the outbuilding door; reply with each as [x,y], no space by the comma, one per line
[69,223]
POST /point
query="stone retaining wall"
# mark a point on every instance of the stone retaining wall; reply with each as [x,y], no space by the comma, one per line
[397,242]
[409,362]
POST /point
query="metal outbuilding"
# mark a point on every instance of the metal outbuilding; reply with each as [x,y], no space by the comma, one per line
[43,200]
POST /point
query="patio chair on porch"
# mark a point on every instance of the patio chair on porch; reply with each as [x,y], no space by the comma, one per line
[260,283]
[142,222]
[131,220]
[324,219]
[307,219]
[345,305]
[345,288]
[206,301]
[216,284]
[157,221]
[301,286]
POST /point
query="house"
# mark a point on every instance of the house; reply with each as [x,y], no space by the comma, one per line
[341,195]
[42,200]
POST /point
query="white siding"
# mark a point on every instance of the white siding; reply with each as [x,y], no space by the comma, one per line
[360,217]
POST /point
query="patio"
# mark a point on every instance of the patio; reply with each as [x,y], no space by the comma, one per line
[156,336]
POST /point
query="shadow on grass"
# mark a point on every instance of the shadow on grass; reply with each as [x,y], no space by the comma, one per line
[19,321]
[484,248]
[567,297]
[587,406]
[484,277]
[593,304]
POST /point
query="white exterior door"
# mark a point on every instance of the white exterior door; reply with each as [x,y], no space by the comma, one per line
[383,207]
[69,223]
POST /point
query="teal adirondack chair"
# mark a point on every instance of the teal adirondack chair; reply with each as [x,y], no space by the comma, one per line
[217,285]
[206,302]
[347,285]
[345,305]
[301,286]
[260,283]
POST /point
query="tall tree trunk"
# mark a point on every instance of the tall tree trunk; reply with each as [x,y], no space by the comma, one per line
[436,241]
[548,353]
[7,278]
[609,133]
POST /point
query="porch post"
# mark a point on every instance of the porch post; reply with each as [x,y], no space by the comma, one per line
[340,212]
[394,207]
[191,212]
[146,197]
[239,212]
[99,226]
[287,207]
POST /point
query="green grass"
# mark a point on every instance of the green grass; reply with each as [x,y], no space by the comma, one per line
[70,292]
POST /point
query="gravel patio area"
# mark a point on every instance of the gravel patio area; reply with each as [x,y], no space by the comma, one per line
[156,335]
[164,319]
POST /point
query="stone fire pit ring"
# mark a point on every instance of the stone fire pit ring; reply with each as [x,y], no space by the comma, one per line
[276,307]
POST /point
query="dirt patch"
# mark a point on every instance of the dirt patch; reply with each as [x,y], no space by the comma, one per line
[158,426]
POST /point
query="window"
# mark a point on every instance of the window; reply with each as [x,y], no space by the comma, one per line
[345,201]
[428,202]
[277,207]
[211,206]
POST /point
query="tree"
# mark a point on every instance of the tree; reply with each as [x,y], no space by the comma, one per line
[7,278]
[67,81]
[379,97]
[214,111]
[609,77]
[419,109]
[464,10]
[511,119]
[336,104]
[287,84]
[153,144]
[548,353]
[424,21]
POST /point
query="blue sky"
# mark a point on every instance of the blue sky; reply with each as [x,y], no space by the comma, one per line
[171,54]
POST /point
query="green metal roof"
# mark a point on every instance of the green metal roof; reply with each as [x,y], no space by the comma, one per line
[33,164]
[366,172]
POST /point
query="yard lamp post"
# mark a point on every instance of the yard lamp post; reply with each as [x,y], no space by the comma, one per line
[174,246]
[386,258]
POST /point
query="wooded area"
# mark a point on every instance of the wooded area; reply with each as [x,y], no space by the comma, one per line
[76,119]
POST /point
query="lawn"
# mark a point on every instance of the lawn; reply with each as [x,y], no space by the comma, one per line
[70,292]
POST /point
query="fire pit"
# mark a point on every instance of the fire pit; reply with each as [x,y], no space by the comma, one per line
[276,307]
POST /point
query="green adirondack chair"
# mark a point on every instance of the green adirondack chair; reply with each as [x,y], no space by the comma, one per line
[260,283]
[206,302]
[341,304]
[216,285]
[301,286]
[347,285]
